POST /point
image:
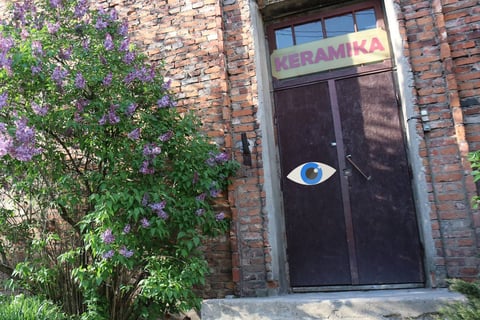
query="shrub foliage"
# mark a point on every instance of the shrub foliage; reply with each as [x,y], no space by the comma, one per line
[106,189]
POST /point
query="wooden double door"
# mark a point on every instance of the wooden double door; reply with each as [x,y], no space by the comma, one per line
[358,227]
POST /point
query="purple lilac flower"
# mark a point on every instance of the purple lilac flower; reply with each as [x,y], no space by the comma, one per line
[113,118]
[24,133]
[81,8]
[77,117]
[6,143]
[201,197]
[38,24]
[107,80]
[25,142]
[124,45]
[39,110]
[151,150]
[145,223]
[55,3]
[86,44]
[221,157]
[166,85]
[134,134]
[131,109]
[145,199]
[150,74]
[166,136]
[113,14]
[214,193]
[200,212]
[109,254]
[36,69]
[80,81]
[108,237]
[21,8]
[103,120]
[37,48]
[129,78]
[24,34]
[100,24]
[6,44]
[158,209]
[220,216]
[123,28]
[164,102]
[58,75]
[19,13]
[81,104]
[129,57]
[25,152]
[3,99]
[53,27]
[127,229]
[108,44]
[6,62]
[142,74]
[146,169]
[195,177]
[125,252]
[211,161]
[65,54]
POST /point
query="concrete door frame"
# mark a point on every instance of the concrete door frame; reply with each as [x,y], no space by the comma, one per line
[277,271]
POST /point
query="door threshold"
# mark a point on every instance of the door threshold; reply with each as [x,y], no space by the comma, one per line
[357,288]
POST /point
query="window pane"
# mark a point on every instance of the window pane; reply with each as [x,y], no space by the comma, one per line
[308,32]
[284,37]
[365,19]
[337,26]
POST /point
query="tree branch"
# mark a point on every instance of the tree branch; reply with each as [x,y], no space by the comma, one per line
[6,269]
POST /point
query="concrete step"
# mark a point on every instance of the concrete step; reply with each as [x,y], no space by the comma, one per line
[402,304]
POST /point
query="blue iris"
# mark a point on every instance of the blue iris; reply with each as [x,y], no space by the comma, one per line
[311,173]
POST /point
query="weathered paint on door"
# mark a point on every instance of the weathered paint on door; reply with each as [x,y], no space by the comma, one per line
[359,226]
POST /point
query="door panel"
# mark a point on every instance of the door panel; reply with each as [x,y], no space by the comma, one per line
[317,248]
[383,245]
[383,213]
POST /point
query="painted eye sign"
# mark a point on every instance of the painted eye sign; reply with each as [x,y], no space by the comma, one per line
[311,173]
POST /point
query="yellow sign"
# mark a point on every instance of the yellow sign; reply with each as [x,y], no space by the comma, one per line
[332,53]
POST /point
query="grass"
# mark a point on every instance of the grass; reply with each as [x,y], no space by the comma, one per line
[23,307]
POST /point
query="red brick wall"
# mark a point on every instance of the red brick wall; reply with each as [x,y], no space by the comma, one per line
[251,256]
[443,50]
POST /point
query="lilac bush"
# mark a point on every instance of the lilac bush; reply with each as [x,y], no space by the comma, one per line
[106,189]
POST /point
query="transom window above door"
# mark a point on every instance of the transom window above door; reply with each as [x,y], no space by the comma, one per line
[326,26]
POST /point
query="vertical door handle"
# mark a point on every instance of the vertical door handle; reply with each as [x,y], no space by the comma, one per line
[349,158]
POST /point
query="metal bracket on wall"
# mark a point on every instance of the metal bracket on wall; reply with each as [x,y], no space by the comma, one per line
[247,155]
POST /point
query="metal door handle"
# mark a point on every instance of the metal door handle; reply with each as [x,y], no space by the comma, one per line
[349,158]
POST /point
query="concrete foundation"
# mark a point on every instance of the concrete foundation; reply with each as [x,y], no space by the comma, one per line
[383,304]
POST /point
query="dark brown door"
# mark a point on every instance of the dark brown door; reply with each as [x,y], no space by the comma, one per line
[359,226]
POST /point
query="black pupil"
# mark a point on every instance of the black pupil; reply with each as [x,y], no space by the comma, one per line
[311,173]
